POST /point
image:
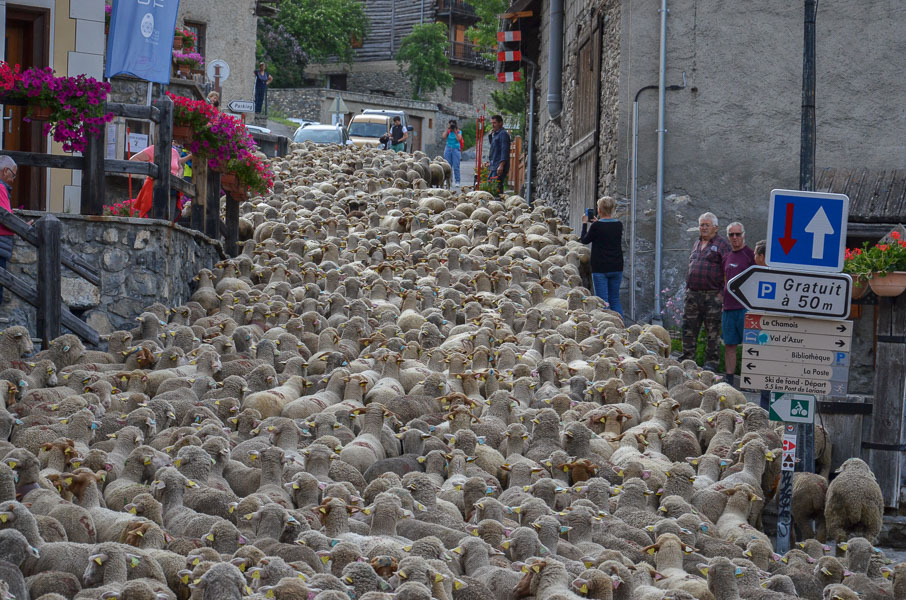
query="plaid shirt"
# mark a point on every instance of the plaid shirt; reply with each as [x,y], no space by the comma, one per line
[706,270]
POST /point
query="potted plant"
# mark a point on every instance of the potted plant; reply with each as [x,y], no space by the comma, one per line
[883,265]
[856,265]
[108,10]
[186,61]
[225,143]
[74,107]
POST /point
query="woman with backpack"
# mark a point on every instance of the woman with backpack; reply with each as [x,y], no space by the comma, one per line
[453,149]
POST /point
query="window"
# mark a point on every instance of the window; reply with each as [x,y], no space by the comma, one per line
[337,81]
[462,90]
[201,32]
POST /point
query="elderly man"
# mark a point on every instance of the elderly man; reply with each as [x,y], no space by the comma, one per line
[8,171]
[740,258]
[704,286]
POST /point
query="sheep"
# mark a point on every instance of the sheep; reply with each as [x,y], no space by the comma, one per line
[854,505]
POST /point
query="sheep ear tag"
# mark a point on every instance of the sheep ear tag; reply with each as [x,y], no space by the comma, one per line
[704,571]
[739,572]
[98,560]
[536,568]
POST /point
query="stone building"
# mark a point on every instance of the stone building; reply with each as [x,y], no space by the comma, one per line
[732,114]
[375,71]
[68,36]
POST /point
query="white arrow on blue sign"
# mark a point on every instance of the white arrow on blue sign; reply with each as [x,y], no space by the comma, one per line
[807,230]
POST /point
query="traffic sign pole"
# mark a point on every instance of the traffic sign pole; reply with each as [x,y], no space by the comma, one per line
[785,501]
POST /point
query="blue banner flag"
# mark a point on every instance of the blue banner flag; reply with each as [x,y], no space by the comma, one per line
[140,42]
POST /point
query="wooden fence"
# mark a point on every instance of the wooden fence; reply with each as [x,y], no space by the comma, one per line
[46,234]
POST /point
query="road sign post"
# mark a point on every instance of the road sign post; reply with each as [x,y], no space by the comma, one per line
[793,408]
[785,502]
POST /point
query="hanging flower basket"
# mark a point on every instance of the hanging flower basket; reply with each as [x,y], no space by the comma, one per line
[888,284]
[177,42]
[230,183]
[40,113]
[860,287]
[182,133]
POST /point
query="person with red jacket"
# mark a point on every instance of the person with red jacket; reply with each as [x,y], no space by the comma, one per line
[8,171]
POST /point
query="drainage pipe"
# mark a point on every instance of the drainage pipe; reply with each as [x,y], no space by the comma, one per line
[661,130]
[555,61]
[530,118]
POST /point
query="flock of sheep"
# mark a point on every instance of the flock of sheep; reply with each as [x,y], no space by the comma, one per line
[411,397]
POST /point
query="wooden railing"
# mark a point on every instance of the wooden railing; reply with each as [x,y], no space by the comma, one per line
[46,236]
[466,53]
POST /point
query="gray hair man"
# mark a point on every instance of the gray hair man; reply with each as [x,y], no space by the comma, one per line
[703,306]
[732,323]
[8,172]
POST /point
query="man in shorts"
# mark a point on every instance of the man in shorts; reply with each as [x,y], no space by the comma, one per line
[740,258]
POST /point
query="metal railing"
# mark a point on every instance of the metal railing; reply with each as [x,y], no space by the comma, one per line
[468,54]
[443,8]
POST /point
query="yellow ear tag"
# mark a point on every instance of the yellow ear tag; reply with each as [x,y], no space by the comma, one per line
[457,585]
[248,591]
[68,481]
[651,551]
[184,579]
[269,594]
[99,561]
[584,588]
[536,568]
[325,559]
[134,562]
[256,575]
[210,537]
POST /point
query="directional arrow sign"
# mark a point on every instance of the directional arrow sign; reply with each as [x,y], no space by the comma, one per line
[810,356]
[761,337]
[802,385]
[819,296]
[242,106]
[771,367]
[807,231]
[793,408]
[798,324]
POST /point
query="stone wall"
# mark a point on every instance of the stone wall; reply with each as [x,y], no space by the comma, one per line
[142,261]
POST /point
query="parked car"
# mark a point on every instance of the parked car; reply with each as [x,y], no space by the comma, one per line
[322,134]
[366,128]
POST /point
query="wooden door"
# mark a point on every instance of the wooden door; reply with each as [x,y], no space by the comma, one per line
[583,152]
[415,136]
[26,45]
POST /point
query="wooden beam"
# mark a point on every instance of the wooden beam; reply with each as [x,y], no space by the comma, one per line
[94,188]
[130,167]
[522,14]
[200,177]
[231,233]
[22,289]
[160,208]
[48,161]
[183,186]
[76,264]
[50,297]
[134,111]
[212,206]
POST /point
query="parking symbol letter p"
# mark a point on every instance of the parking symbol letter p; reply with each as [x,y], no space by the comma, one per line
[767,290]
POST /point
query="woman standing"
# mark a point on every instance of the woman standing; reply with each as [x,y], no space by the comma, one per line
[453,149]
[606,238]
[262,80]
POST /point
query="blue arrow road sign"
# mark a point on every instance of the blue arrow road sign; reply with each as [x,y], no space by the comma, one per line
[807,230]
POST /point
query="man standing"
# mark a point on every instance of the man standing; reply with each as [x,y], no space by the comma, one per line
[499,154]
[8,171]
[398,135]
[704,284]
[740,258]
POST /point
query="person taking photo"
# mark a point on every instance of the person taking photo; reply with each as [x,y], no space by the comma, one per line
[453,149]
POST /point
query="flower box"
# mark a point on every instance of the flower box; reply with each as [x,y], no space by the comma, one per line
[182,133]
[860,287]
[888,284]
[40,113]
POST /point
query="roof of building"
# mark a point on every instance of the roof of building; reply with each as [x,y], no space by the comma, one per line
[874,196]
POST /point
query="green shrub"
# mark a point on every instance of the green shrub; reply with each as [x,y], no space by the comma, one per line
[468,133]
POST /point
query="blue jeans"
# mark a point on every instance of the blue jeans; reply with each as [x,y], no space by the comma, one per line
[607,287]
[452,154]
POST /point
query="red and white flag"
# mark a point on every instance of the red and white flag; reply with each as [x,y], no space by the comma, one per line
[509,76]
[509,56]
[509,36]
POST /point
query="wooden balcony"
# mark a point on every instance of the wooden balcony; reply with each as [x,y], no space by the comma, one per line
[461,11]
[468,55]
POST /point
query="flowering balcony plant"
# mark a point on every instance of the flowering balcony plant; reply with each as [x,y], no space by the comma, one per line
[75,105]
[188,38]
[882,266]
[126,208]
[224,141]
[193,60]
